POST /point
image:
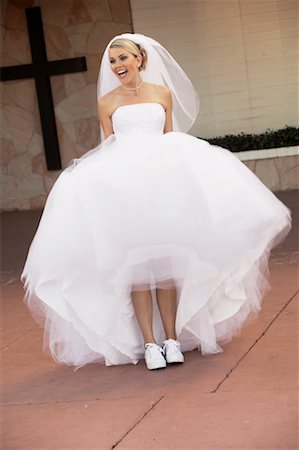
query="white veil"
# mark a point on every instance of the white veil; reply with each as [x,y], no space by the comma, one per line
[161,69]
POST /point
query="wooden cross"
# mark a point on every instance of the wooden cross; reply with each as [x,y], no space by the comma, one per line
[41,69]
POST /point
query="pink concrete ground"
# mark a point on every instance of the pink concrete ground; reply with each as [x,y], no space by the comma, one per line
[244,398]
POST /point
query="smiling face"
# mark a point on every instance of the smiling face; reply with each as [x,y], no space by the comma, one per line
[125,65]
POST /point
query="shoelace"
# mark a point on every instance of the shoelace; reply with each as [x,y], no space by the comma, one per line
[150,347]
[170,342]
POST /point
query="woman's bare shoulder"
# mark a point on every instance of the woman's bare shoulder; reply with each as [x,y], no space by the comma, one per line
[107,101]
[107,98]
[159,88]
[160,93]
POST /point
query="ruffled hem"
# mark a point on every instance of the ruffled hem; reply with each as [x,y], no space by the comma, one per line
[211,310]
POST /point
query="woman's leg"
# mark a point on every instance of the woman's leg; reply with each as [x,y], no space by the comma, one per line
[167,303]
[143,306]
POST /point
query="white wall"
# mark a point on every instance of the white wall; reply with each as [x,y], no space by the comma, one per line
[241,56]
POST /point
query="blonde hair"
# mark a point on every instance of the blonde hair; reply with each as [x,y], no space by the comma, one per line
[133,48]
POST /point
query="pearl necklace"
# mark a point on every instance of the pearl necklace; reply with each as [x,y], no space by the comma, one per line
[133,89]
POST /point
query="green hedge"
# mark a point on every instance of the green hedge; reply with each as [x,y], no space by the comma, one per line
[285,137]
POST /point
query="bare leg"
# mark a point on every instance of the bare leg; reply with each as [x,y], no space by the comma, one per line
[167,303]
[143,306]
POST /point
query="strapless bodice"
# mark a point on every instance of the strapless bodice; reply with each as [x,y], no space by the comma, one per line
[139,119]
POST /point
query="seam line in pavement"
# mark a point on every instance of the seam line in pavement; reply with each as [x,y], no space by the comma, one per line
[153,404]
[63,401]
[254,344]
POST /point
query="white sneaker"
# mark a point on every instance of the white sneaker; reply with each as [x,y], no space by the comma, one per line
[172,351]
[154,357]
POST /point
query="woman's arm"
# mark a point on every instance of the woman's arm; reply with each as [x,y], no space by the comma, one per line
[168,110]
[104,117]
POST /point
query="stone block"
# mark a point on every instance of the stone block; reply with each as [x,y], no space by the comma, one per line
[78,43]
[14,203]
[20,166]
[79,13]
[68,149]
[49,181]
[120,10]
[16,43]
[3,170]
[251,165]
[30,186]
[87,132]
[38,202]
[98,9]
[80,105]
[15,18]
[102,33]
[38,164]
[57,42]
[9,185]
[37,123]
[22,93]
[58,88]
[286,163]
[19,126]
[93,64]
[8,152]
[5,98]
[56,15]
[81,28]
[36,145]
[4,131]
[267,172]
[74,82]
[6,59]
[69,128]
[288,168]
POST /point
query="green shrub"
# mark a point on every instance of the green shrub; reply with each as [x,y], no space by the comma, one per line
[285,137]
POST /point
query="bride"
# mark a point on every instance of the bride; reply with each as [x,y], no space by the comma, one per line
[154,242]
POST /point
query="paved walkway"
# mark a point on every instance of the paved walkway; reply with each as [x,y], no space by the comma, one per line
[243,398]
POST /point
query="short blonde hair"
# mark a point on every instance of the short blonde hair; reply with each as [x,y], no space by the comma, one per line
[133,48]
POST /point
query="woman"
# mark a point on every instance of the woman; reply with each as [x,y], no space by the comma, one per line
[154,235]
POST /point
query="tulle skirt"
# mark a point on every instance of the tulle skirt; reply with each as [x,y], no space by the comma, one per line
[152,212]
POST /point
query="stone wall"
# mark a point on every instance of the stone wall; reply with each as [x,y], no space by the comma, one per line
[278,174]
[72,28]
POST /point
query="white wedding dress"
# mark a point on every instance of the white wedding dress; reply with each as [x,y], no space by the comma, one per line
[147,207]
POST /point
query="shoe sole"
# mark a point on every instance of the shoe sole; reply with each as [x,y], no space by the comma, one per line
[156,368]
[162,366]
[175,361]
